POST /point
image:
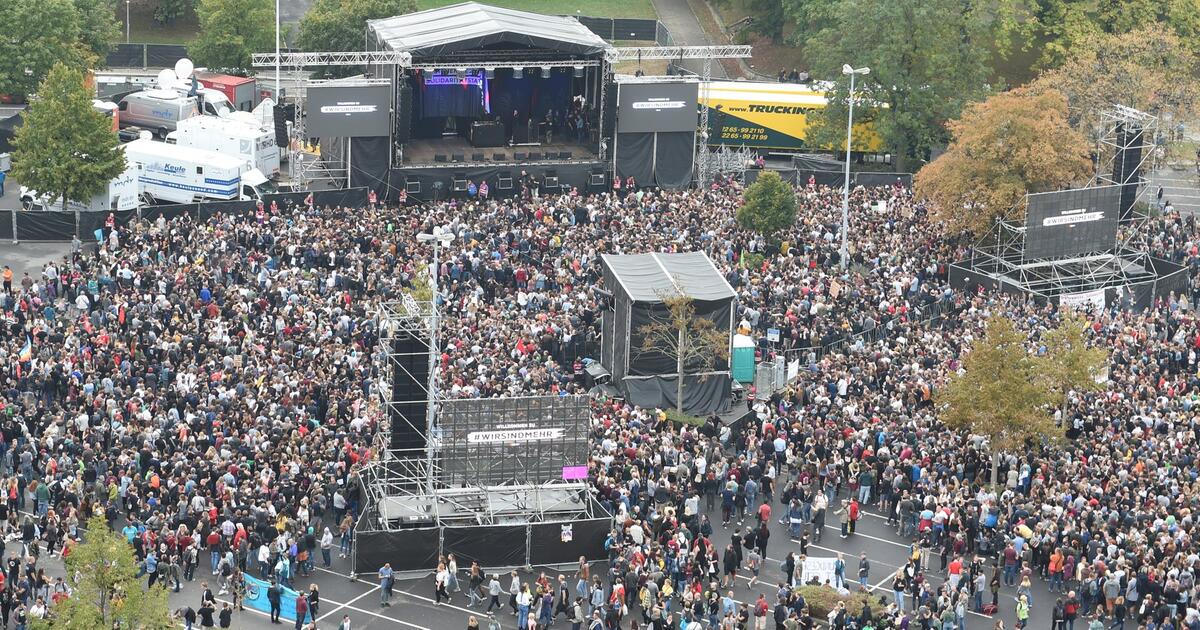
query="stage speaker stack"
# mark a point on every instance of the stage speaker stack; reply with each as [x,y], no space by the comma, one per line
[410,377]
[403,120]
[1127,167]
[610,111]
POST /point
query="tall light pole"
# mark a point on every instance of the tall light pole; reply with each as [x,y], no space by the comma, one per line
[439,238]
[845,252]
[127,21]
[277,27]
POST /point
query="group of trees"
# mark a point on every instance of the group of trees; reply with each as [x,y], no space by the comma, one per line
[232,30]
[37,34]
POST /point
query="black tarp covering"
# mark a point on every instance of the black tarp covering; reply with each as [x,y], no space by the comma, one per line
[702,395]
[495,546]
[587,539]
[800,177]
[651,362]
[673,154]
[635,157]
[47,226]
[405,550]
[6,226]
[369,163]
[171,211]
[8,129]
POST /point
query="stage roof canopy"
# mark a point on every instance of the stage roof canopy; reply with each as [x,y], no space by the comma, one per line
[470,25]
[646,277]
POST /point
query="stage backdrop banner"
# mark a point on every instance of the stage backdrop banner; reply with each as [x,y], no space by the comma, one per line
[256,598]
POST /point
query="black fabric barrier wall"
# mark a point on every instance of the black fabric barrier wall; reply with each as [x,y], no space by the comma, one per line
[60,226]
[702,395]
[587,539]
[46,226]
[496,546]
[405,550]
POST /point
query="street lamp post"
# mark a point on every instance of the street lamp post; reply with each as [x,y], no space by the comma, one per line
[439,238]
[127,27]
[844,255]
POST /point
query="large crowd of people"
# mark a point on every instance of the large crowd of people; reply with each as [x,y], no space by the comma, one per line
[213,389]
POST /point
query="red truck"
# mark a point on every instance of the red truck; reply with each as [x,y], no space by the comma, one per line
[241,91]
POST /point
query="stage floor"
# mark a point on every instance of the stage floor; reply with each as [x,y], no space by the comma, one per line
[424,152]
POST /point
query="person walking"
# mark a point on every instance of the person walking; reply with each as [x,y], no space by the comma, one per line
[864,570]
[386,579]
[441,582]
[1022,612]
[301,610]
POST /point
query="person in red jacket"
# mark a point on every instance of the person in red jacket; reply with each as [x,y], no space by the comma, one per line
[301,610]
[855,513]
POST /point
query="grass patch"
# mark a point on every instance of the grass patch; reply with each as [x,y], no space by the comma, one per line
[822,599]
[590,8]
[144,30]
[683,418]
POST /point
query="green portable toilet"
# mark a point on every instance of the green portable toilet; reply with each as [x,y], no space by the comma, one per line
[742,364]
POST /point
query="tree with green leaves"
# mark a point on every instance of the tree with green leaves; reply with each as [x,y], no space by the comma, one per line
[338,25]
[99,29]
[34,36]
[107,593]
[928,59]
[66,147]
[1012,144]
[768,205]
[999,393]
[695,344]
[231,31]
[1150,69]
[1072,364]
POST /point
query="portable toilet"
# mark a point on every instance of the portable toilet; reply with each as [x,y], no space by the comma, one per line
[742,361]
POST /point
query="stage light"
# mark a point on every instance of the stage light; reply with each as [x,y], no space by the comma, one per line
[460,72]
[578,72]
[518,72]
[545,72]
[489,73]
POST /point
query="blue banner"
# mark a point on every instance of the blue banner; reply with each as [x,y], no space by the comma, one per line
[256,598]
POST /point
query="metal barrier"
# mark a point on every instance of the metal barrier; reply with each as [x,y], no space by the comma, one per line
[145,55]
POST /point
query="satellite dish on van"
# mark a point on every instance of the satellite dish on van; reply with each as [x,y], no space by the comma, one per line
[166,79]
[184,68]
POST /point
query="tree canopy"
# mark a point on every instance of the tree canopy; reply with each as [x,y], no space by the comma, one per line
[1148,69]
[99,29]
[769,205]
[1011,144]
[1003,392]
[34,36]
[66,147]
[231,31]
[928,59]
[108,593]
[337,25]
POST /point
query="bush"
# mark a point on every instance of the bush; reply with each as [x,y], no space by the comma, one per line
[683,418]
[822,599]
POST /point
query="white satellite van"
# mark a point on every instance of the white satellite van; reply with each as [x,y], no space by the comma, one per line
[252,142]
[120,194]
[160,110]
[175,174]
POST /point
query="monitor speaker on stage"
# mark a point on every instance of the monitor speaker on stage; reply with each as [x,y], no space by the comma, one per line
[413,186]
[403,127]
[565,155]
[518,156]
[460,182]
[551,180]
[504,181]
[477,157]
[439,158]
[457,157]
[499,157]
[534,155]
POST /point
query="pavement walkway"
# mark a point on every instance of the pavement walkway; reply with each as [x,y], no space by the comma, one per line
[686,30]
